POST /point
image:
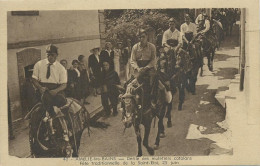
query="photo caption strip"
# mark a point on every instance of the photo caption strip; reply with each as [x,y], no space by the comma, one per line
[111,161]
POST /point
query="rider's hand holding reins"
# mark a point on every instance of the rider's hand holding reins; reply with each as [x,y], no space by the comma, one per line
[53,92]
[43,89]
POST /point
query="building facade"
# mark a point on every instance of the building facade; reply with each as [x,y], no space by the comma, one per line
[73,32]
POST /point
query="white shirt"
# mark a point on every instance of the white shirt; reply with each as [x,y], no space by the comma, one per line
[191,27]
[207,26]
[199,18]
[58,74]
[97,57]
[77,71]
[168,34]
[109,52]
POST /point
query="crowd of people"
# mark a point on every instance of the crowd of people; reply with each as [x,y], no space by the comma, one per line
[99,74]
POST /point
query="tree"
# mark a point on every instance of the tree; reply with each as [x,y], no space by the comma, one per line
[124,24]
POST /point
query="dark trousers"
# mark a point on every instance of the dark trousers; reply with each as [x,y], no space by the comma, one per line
[49,101]
[105,97]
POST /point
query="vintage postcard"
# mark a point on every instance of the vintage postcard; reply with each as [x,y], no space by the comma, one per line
[130,82]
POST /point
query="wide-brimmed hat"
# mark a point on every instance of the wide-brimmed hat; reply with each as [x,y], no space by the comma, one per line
[52,49]
[95,47]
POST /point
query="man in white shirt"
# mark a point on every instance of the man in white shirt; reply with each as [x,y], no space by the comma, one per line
[200,17]
[188,27]
[172,33]
[50,78]
[49,75]
[206,25]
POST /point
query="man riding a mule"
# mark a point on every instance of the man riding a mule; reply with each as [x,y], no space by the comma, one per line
[145,95]
[189,31]
[208,40]
[143,61]
[172,42]
[50,78]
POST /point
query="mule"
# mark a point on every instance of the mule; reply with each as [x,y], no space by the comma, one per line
[196,59]
[136,112]
[218,31]
[208,42]
[76,118]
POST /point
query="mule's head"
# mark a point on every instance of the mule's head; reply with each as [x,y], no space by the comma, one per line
[130,108]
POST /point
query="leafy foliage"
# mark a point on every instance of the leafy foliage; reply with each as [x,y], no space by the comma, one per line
[124,24]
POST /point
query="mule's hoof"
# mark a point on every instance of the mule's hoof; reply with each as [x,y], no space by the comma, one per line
[150,151]
[162,135]
[155,147]
[139,155]
[169,124]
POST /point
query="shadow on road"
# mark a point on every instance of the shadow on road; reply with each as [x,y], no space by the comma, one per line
[222,57]
[99,124]
[226,73]
[203,111]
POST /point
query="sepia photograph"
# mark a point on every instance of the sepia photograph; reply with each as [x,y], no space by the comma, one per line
[146,82]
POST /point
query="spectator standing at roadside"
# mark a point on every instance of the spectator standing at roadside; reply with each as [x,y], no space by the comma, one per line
[109,81]
[74,81]
[118,55]
[126,55]
[67,91]
[94,64]
[107,55]
[83,80]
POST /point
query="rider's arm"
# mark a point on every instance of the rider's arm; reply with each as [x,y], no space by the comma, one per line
[38,86]
[197,19]
[164,40]
[179,42]
[133,61]
[207,26]
[183,34]
[60,88]
[194,29]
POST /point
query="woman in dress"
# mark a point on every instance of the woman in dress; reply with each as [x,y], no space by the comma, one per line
[84,79]
[109,91]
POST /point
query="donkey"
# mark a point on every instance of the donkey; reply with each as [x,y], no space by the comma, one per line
[74,118]
[136,112]
[209,45]
[196,59]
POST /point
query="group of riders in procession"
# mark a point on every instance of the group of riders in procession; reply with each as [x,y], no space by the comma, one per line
[158,73]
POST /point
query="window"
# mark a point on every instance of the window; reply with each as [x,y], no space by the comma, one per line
[25,13]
